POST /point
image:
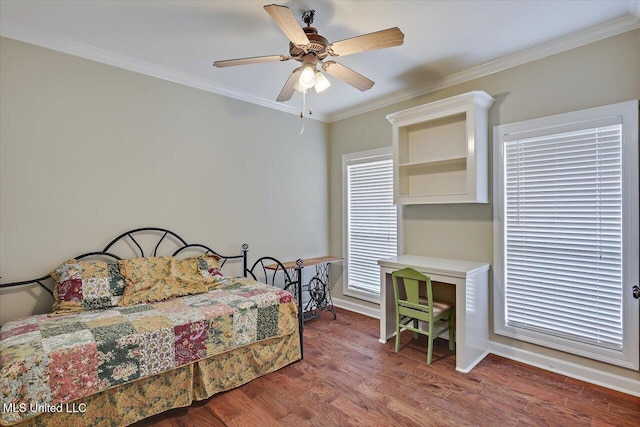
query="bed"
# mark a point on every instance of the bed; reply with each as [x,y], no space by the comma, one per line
[131,337]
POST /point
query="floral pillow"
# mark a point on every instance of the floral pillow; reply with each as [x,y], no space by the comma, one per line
[159,278]
[87,285]
[209,268]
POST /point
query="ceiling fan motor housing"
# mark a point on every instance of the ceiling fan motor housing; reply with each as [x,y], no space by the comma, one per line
[317,45]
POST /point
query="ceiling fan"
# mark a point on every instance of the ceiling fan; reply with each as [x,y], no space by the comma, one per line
[310,48]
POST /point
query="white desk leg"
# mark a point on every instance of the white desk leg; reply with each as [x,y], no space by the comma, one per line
[383,306]
[472,322]
[387,307]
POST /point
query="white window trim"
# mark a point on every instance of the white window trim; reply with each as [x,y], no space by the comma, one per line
[629,357]
[386,152]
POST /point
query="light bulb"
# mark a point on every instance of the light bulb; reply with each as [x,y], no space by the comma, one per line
[296,83]
[297,86]
[307,77]
[322,83]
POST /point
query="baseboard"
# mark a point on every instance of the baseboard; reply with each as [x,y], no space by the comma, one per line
[583,373]
[474,363]
[357,308]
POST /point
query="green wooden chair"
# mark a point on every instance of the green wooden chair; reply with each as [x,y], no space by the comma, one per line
[411,308]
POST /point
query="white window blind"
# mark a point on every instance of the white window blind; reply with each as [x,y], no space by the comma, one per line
[563,242]
[567,231]
[371,221]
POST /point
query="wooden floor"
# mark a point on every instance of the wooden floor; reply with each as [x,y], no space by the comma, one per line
[348,378]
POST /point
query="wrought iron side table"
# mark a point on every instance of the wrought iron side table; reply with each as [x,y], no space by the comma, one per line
[317,287]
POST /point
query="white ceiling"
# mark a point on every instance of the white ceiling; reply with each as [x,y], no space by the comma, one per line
[446,42]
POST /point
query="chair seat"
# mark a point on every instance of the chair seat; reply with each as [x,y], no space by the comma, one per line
[438,306]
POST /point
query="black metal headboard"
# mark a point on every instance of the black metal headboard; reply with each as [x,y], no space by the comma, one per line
[154,237]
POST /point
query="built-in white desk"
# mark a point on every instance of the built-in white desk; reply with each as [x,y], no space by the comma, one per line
[471,280]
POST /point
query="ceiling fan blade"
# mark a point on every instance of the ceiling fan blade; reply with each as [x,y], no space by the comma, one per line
[347,75]
[287,91]
[252,60]
[285,20]
[372,41]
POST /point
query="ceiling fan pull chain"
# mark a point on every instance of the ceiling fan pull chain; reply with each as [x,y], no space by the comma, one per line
[302,111]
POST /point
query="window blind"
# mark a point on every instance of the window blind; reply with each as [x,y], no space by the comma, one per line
[563,238]
[371,221]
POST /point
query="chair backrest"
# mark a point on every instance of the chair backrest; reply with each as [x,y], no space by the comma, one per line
[412,279]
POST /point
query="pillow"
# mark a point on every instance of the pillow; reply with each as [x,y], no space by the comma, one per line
[209,269]
[159,278]
[86,285]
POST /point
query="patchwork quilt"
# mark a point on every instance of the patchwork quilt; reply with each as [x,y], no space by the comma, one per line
[46,361]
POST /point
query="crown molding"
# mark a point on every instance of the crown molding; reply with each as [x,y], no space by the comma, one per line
[608,29]
[60,44]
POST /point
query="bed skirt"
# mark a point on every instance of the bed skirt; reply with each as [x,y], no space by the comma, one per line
[128,403]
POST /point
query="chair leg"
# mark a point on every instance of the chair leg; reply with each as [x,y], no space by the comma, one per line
[430,344]
[415,325]
[398,333]
[452,330]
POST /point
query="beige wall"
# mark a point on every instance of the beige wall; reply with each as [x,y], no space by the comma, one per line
[597,74]
[88,151]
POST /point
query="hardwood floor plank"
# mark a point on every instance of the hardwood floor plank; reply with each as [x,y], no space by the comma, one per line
[320,391]
[532,382]
[593,392]
[251,419]
[259,386]
[273,405]
[226,407]
[444,417]
[497,406]
[295,420]
[398,408]
[422,376]
[417,384]
[203,417]
[554,415]
[626,412]
[355,414]
[348,378]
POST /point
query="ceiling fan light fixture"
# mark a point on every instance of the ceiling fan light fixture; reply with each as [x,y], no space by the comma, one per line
[322,83]
[296,81]
[307,76]
[299,88]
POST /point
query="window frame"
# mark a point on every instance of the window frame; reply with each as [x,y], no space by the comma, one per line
[628,357]
[349,158]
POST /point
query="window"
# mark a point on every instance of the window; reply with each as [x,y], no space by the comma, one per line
[370,220]
[566,244]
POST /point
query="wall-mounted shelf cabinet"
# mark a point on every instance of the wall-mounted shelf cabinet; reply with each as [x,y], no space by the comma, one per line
[440,151]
